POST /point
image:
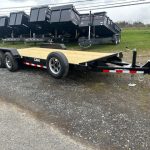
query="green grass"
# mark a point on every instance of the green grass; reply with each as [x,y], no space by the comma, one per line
[138,38]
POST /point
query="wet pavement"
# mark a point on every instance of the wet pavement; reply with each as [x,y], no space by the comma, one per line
[100,110]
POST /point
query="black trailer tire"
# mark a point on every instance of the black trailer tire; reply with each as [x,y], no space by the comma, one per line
[84,42]
[2,60]
[10,62]
[116,39]
[119,39]
[57,65]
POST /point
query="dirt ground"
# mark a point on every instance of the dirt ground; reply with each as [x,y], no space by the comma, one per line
[100,110]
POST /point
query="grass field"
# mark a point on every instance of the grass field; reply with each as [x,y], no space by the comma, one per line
[138,38]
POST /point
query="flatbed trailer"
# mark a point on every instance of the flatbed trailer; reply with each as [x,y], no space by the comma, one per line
[57,61]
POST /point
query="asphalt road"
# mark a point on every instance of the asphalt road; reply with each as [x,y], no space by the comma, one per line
[19,130]
[99,110]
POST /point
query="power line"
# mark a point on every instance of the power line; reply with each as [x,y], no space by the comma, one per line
[15,10]
[73,2]
[144,3]
[97,7]
[110,4]
[113,4]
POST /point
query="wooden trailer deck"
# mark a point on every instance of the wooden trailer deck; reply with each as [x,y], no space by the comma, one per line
[74,57]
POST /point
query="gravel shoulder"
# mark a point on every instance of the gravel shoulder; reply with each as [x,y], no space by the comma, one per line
[92,108]
[20,131]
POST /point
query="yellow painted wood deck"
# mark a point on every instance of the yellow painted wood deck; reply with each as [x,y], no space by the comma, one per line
[74,57]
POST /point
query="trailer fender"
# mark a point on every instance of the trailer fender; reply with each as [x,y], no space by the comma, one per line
[147,65]
[13,51]
[2,60]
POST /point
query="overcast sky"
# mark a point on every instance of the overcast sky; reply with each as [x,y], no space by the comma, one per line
[130,13]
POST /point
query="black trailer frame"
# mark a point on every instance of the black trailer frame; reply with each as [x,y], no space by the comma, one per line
[58,60]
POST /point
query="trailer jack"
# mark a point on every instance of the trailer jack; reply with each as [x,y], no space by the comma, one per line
[141,77]
[132,79]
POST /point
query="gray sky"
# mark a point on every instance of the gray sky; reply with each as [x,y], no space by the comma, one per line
[130,13]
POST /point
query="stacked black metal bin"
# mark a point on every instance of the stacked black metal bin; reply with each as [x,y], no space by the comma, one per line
[18,22]
[64,22]
[102,28]
[39,20]
[86,20]
[60,24]
[5,31]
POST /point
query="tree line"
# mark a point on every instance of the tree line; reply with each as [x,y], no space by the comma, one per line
[125,24]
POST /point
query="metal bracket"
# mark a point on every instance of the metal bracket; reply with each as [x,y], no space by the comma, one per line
[141,77]
[132,84]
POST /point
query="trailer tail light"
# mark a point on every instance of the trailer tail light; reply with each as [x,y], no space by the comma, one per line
[133,72]
[106,71]
[119,71]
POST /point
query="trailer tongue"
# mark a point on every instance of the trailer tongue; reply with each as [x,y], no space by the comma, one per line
[57,61]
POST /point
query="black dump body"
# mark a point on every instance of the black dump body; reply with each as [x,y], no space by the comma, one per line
[64,21]
[60,24]
[39,20]
[19,23]
[85,21]
[102,26]
[5,31]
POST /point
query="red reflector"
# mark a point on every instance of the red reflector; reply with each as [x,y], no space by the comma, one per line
[132,72]
[105,71]
[119,71]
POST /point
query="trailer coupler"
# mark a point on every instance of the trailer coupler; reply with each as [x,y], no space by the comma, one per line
[127,68]
[132,73]
[131,69]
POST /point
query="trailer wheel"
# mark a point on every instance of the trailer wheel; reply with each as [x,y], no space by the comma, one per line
[2,60]
[84,42]
[57,65]
[10,62]
[119,39]
[115,41]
